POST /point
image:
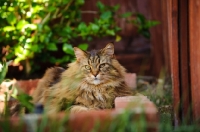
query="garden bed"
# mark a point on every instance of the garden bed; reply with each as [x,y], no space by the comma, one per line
[131,112]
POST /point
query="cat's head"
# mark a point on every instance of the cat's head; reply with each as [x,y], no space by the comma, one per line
[96,65]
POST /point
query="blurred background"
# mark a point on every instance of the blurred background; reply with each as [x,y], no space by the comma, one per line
[156,39]
[37,34]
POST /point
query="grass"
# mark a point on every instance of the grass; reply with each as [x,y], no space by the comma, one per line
[157,90]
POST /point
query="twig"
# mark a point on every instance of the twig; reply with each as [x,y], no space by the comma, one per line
[89,12]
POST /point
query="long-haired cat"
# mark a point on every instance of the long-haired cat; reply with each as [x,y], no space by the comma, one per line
[93,81]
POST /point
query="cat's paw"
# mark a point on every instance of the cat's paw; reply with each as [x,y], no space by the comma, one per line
[78,108]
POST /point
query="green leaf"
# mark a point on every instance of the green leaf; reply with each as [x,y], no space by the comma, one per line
[42,37]
[100,6]
[150,24]
[127,14]
[89,38]
[8,28]
[14,92]
[24,100]
[106,15]
[21,53]
[80,2]
[37,8]
[146,33]
[117,28]
[21,24]
[52,47]
[83,46]
[11,9]
[3,71]
[36,48]
[110,32]
[66,1]
[11,18]
[10,87]
[118,38]
[141,19]
[116,7]
[67,48]
[94,27]
[143,25]
[82,26]
[31,26]
[51,8]
[67,30]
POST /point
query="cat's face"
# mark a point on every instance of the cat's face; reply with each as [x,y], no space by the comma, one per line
[96,65]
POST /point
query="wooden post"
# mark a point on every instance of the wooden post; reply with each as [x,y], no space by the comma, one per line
[194,40]
[185,93]
[157,39]
[172,35]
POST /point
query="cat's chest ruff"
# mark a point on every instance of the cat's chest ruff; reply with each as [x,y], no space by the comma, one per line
[98,89]
[96,96]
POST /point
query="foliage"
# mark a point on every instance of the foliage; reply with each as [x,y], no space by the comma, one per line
[129,121]
[31,29]
[23,99]
[125,121]
[143,24]
[35,30]
[3,70]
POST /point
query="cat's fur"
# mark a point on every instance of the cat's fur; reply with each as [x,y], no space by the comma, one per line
[93,81]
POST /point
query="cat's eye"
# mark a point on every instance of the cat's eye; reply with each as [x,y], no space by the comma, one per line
[102,65]
[87,67]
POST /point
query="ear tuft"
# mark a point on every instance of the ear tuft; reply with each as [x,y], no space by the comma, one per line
[79,53]
[109,49]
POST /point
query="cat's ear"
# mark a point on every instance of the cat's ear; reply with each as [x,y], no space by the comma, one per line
[80,54]
[108,50]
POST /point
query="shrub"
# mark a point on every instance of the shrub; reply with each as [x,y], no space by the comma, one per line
[35,30]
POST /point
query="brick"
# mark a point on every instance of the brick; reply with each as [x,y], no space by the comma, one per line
[130,79]
[86,121]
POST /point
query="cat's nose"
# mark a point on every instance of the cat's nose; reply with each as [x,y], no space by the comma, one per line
[95,73]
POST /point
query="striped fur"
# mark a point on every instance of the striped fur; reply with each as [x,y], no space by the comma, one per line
[93,81]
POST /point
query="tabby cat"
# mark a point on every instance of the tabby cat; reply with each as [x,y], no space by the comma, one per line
[92,82]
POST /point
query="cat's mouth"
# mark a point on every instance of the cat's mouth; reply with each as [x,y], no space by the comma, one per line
[96,81]
[96,78]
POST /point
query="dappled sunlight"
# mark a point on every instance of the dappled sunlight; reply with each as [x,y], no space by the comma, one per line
[56,68]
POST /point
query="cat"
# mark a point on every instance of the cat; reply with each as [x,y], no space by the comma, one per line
[92,82]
